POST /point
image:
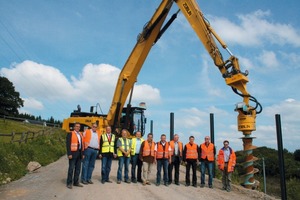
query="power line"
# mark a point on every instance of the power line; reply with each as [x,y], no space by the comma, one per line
[16,42]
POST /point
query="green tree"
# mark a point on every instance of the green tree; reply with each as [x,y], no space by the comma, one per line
[297,155]
[10,99]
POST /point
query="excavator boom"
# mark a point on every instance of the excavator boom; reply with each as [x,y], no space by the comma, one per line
[134,63]
[230,69]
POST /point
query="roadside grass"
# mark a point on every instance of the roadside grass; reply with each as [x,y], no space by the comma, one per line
[14,157]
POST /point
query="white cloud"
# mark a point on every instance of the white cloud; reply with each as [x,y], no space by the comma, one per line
[290,109]
[293,59]
[32,103]
[255,29]
[191,118]
[245,63]
[146,93]
[96,82]
[217,111]
[38,83]
[206,82]
[268,60]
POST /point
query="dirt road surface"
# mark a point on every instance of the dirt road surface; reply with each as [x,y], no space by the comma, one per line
[49,183]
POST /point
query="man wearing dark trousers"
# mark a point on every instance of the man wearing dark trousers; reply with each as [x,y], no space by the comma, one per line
[136,162]
[190,157]
[176,157]
[163,159]
[107,153]
[75,152]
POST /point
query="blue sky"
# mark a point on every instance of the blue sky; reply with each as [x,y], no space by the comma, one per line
[59,54]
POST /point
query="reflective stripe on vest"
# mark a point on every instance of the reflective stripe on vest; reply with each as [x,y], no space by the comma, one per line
[108,147]
[146,150]
[191,151]
[207,151]
[162,151]
[123,146]
[75,142]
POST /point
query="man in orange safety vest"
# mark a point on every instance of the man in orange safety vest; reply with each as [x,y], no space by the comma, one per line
[207,152]
[226,163]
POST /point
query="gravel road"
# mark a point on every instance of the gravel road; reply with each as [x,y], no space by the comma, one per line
[48,183]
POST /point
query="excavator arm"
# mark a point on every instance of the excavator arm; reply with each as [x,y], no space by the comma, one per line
[230,70]
[133,65]
[153,30]
[237,80]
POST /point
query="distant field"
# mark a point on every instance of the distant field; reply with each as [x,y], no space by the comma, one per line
[8,126]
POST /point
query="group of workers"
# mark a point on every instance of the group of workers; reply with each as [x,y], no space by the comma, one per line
[143,154]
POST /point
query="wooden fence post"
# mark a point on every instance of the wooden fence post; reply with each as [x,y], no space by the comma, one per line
[12,137]
[22,138]
[26,137]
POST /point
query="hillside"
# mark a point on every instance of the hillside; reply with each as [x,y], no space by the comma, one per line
[292,171]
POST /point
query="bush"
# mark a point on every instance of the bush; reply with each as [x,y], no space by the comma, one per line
[292,187]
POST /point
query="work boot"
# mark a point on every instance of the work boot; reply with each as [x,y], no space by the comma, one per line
[84,182]
[78,185]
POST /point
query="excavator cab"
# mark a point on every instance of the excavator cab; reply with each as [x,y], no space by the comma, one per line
[133,119]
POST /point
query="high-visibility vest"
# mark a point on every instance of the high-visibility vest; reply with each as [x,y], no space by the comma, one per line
[108,147]
[231,161]
[88,136]
[162,151]
[207,151]
[133,145]
[119,152]
[191,151]
[75,142]
[146,149]
[172,145]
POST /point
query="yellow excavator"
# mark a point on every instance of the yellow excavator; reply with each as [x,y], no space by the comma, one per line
[133,118]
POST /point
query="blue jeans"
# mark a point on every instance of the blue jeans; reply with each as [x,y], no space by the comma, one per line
[136,162]
[88,164]
[105,167]
[209,166]
[123,161]
[162,163]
